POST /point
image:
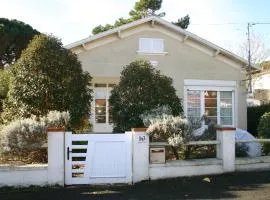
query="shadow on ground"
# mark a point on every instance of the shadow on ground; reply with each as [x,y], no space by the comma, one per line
[252,185]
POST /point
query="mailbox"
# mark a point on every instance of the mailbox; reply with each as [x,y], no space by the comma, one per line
[157,155]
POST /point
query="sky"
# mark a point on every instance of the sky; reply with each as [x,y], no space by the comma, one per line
[222,22]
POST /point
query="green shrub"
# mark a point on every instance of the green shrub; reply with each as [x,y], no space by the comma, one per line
[47,77]
[253,117]
[264,131]
[141,88]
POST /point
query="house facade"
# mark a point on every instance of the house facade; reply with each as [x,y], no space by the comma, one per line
[206,77]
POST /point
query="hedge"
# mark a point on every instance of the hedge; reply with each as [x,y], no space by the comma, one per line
[253,117]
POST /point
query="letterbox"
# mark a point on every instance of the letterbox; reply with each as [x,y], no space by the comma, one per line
[157,154]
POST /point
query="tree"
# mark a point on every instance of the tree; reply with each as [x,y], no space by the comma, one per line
[14,37]
[4,86]
[141,88]
[183,22]
[145,8]
[142,8]
[48,77]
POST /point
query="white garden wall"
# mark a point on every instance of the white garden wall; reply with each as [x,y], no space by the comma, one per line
[141,169]
[25,175]
[180,168]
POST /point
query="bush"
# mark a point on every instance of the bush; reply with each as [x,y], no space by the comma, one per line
[22,134]
[57,119]
[47,77]
[253,117]
[23,139]
[175,130]
[264,131]
[141,88]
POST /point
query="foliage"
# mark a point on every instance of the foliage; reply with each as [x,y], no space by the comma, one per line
[142,8]
[14,37]
[253,116]
[141,88]
[151,116]
[4,85]
[265,65]
[24,137]
[83,127]
[183,22]
[119,22]
[145,8]
[264,130]
[48,77]
[57,119]
[241,150]
[22,134]
[175,130]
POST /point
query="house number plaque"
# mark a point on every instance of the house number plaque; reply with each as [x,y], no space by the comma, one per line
[142,139]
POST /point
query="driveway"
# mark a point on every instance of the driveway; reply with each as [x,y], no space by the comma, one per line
[252,185]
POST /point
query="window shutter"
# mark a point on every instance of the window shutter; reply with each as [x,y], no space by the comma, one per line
[157,45]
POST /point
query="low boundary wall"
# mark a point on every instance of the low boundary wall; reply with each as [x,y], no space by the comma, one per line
[24,175]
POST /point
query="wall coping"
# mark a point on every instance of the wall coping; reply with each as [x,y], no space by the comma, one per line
[226,129]
[193,162]
[8,167]
[246,161]
[55,129]
[138,129]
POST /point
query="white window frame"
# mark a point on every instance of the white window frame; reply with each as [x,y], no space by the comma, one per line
[151,49]
[213,85]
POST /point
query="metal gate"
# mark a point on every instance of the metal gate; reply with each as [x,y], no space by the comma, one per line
[98,158]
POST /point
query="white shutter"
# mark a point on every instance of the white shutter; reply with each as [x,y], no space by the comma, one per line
[145,44]
[151,45]
[157,45]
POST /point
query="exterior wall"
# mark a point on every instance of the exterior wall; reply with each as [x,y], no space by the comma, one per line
[185,168]
[23,175]
[184,60]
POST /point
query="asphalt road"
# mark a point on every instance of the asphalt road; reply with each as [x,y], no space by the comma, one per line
[252,185]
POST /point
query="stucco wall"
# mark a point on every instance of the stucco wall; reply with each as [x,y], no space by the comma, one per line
[23,175]
[185,60]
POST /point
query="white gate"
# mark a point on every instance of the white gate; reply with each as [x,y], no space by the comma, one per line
[98,158]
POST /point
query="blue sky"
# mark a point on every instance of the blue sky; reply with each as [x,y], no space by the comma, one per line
[222,22]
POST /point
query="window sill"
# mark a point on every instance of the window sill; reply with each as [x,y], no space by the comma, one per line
[152,53]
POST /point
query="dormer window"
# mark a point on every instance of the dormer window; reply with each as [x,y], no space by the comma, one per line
[151,45]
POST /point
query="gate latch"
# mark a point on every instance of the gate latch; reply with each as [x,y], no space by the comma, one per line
[68,151]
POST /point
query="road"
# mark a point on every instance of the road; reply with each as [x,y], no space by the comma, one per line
[252,185]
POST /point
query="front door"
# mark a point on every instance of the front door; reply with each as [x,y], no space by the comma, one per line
[101,110]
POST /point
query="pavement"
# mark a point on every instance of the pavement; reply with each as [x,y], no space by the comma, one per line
[246,185]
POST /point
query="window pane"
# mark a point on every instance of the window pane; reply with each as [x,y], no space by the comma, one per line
[226,109]
[211,111]
[226,120]
[194,112]
[100,95]
[211,102]
[224,95]
[193,105]
[100,119]
[100,102]
[100,110]
[225,112]
[210,105]
[225,103]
